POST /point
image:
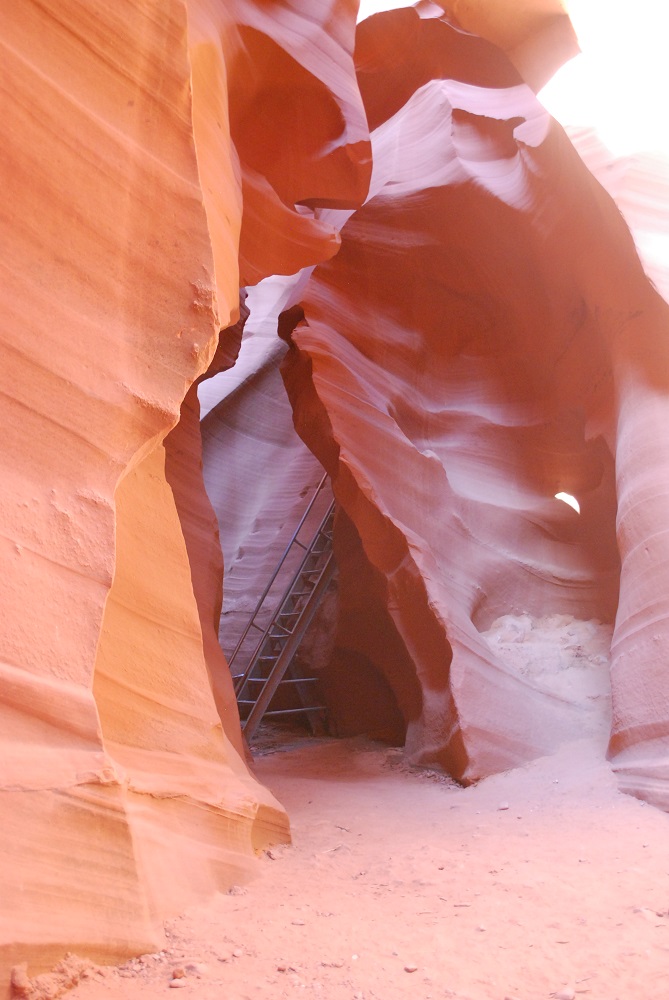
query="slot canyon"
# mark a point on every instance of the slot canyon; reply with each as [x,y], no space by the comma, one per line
[249,244]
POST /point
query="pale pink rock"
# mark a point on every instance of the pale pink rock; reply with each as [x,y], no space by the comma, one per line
[507,346]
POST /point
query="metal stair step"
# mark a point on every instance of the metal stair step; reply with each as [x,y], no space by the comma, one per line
[298,680]
[282,634]
[296,711]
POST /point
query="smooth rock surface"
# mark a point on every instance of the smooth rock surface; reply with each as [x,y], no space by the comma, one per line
[467,355]
[478,337]
[130,175]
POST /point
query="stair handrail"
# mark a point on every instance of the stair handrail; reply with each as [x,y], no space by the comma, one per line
[284,659]
[265,632]
[261,599]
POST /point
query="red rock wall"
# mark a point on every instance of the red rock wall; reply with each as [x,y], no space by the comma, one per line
[537,36]
[466,355]
[640,187]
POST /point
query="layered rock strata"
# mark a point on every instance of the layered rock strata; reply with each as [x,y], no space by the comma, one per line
[484,339]
[125,196]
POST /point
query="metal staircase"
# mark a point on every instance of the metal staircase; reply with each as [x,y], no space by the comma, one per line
[271,668]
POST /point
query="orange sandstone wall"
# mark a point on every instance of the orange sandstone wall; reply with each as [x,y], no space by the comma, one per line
[484,337]
[106,240]
[124,200]
[184,473]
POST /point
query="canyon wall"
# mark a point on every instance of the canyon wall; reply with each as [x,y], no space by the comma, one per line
[485,339]
[131,209]
[478,335]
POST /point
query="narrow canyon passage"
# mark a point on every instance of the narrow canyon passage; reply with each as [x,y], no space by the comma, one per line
[544,881]
[248,242]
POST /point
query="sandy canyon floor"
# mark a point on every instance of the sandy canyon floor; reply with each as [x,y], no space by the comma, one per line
[541,882]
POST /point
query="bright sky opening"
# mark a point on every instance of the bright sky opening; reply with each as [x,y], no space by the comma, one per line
[570,500]
[620,82]
[368,7]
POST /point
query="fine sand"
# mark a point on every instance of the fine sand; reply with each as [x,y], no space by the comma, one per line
[541,882]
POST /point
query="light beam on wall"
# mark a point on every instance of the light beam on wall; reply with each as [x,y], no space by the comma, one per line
[569,499]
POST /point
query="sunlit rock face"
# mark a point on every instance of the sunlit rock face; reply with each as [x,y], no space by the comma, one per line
[537,36]
[484,339]
[129,172]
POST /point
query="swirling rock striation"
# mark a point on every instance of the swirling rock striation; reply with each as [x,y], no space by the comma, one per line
[466,356]
[130,177]
[484,338]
